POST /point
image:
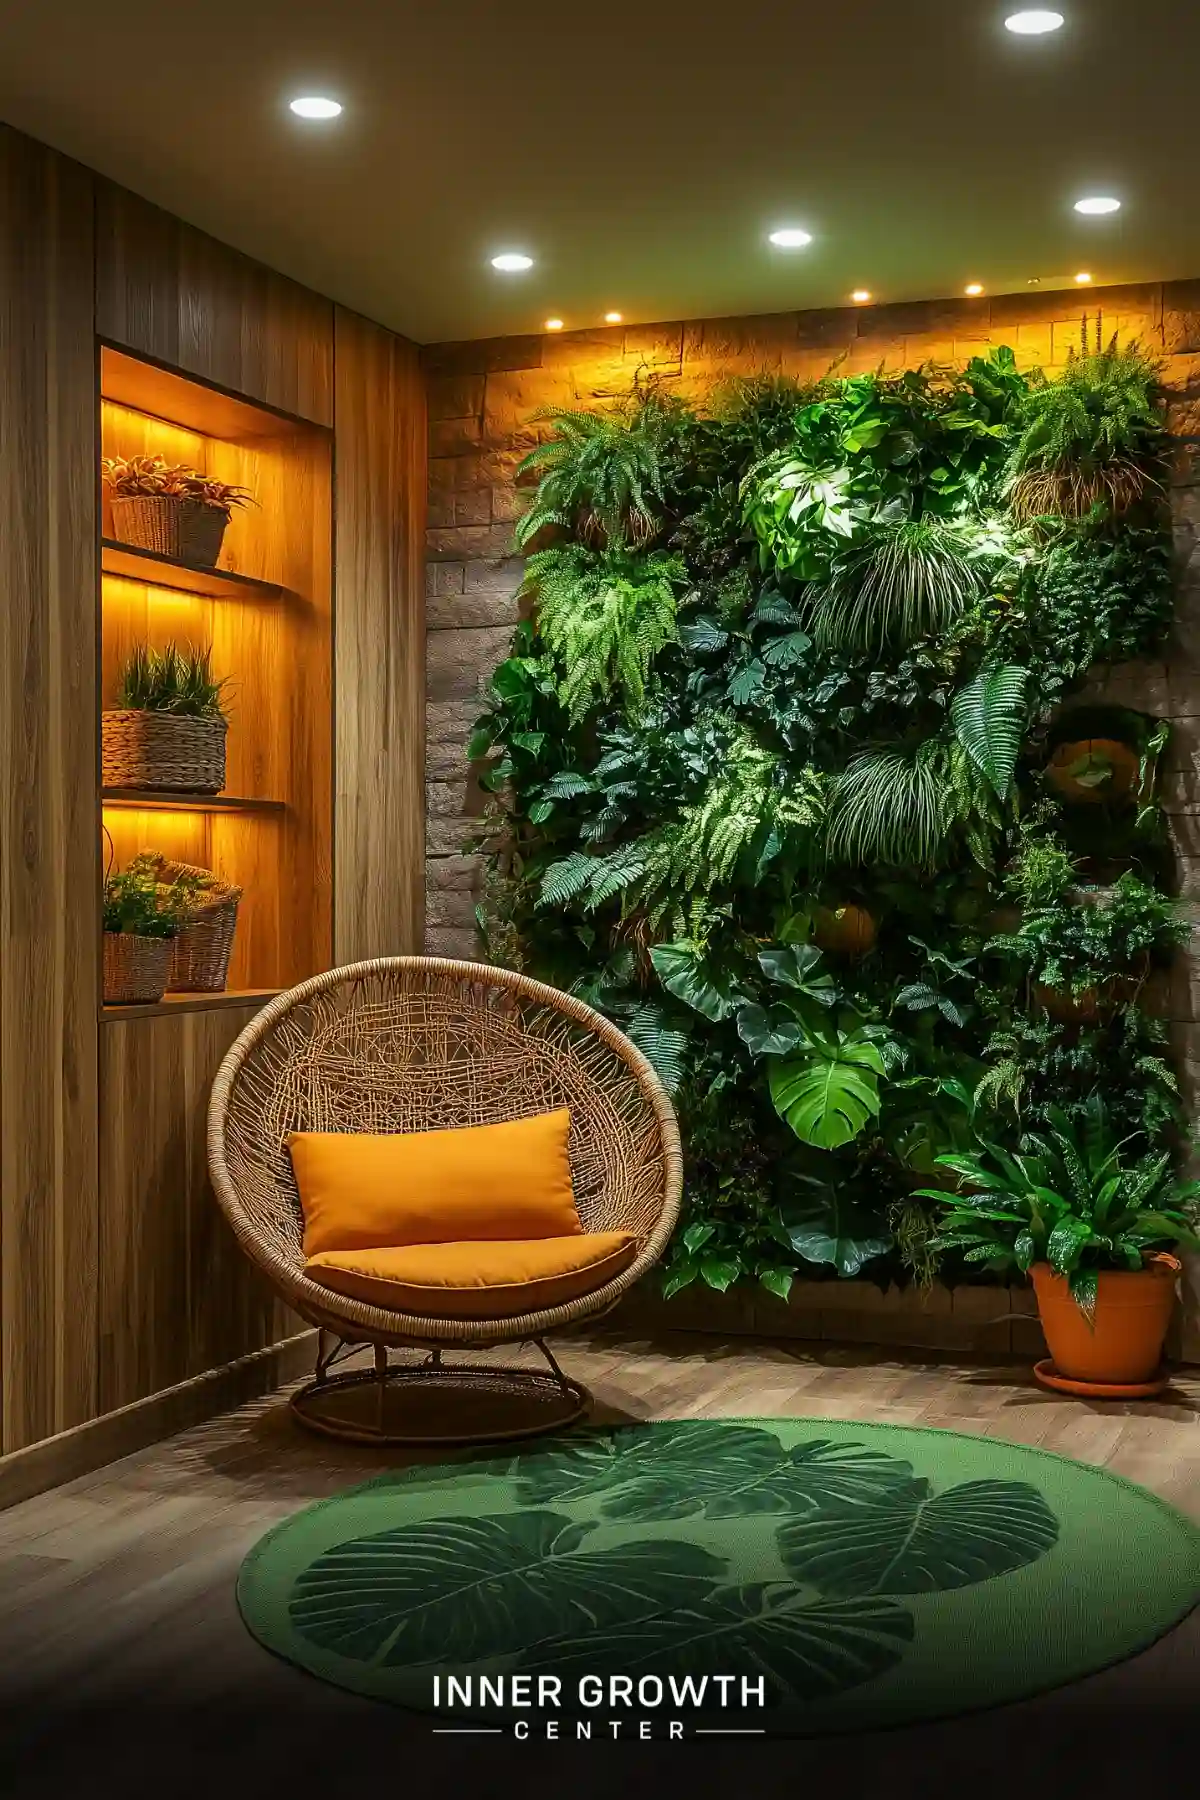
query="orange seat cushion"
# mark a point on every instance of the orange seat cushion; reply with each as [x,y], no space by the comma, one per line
[359,1191]
[493,1279]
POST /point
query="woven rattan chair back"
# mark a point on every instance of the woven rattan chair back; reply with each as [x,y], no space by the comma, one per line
[415,1044]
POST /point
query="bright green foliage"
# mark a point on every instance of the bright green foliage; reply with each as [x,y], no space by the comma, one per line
[137,903]
[171,680]
[990,715]
[904,580]
[767,765]
[1093,438]
[1070,1200]
[605,618]
[600,474]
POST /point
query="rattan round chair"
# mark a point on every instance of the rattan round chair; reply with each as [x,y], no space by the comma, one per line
[412,1043]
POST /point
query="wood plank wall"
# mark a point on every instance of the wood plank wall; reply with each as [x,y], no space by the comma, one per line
[48,844]
[117,1274]
[379,754]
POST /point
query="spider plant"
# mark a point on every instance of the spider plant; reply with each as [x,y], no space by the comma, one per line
[171,680]
[890,806]
[906,579]
[1093,438]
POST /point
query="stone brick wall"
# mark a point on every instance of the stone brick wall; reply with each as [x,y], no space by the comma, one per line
[481,395]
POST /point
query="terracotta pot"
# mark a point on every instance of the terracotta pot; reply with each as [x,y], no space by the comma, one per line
[1133,1311]
[1066,1007]
[844,930]
[1120,784]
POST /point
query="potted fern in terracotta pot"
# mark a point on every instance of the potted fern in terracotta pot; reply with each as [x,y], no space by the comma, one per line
[1095,1230]
[168,728]
[141,919]
[171,508]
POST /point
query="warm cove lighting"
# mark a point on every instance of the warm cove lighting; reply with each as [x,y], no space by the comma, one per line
[1083,278]
[790,237]
[860,296]
[974,288]
[1034,22]
[316,106]
[512,262]
[554,324]
[1097,203]
[612,318]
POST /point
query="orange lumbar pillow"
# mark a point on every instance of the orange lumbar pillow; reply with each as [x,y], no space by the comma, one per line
[359,1191]
[495,1279]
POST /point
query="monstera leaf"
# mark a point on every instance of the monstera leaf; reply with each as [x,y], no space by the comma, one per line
[671,1471]
[465,1589]
[829,1221]
[921,1543]
[806,1651]
[684,974]
[667,1472]
[828,1093]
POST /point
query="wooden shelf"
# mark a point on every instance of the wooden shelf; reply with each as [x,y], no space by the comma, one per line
[185,578]
[162,800]
[186,1003]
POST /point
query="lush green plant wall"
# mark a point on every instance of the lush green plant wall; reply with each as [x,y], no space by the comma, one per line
[792,778]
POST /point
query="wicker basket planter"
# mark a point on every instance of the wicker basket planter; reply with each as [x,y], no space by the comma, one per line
[188,530]
[135,968]
[200,954]
[163,750]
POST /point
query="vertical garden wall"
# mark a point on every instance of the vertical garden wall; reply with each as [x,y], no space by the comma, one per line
[837,766]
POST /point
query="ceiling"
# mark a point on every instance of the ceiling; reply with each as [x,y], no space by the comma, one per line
[640,149]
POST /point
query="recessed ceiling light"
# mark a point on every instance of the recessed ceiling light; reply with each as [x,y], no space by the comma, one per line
[612,318]
[1083,278]
[974,288]
[316,106]
[791,237]
[860,296]
[512,262]
[1097,203]
[554,324]
[1034,22]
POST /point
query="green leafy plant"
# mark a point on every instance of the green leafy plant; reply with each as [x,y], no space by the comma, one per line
[600,474]
[1093,438]
[135,902]
[892,806]
[1069,1200]
[905,579]
[172,680]
[990,715]
[604,618]
[1077,946]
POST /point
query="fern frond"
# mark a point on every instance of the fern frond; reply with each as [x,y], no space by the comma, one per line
[989,716]
[605,617]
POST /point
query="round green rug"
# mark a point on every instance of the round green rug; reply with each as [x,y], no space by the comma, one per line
[854,1575]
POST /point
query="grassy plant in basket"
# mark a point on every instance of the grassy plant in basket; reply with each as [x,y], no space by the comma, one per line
[172,680]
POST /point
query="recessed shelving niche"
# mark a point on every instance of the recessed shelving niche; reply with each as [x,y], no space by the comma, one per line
[266,612]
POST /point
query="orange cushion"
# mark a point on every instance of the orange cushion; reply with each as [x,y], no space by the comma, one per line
[359,1191]
[489,1280]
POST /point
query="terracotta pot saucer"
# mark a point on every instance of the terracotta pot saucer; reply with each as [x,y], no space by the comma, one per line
[1049,1377]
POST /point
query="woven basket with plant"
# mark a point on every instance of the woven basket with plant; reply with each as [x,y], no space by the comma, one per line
[168,728]
[171,508]
[141,917]
[200,953]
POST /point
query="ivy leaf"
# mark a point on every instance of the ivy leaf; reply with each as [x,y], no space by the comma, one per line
[720,1272]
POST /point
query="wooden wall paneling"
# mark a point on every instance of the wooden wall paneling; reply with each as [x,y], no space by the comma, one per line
[167,290]
[48,839]
[177,1294]
[379,680]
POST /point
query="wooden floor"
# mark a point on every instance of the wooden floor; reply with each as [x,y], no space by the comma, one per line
[125,1668]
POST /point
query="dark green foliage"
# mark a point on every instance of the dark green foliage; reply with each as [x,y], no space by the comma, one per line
[829,690]
[1069,1198]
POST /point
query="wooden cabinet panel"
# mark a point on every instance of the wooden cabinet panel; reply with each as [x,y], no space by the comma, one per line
[48,760]
[177,1295]
[166,290]
[379,654]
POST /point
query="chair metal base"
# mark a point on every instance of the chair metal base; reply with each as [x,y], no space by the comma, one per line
[435,1403]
